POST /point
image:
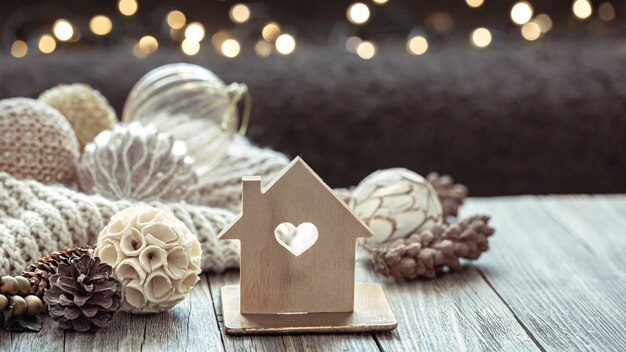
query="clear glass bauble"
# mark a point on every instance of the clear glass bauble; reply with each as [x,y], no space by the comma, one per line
[192,104]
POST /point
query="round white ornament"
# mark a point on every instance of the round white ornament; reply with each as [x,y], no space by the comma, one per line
[138,163]
[395,203]
[191,103]
[153,255]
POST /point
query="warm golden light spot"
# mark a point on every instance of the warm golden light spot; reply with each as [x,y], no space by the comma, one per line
[606,11]
[358,13]
[366,50]
[352,43]
[582,9]
[63,30]
[285,44]
[190,47]
[531,31]
[176,19]
[417,45]
[148,44]
[270,31]
[380,2]
[218,39]
[19,49]
[440,22]
[230,48]
[474,3]
[544,21]
[100,25]
[239,13]
[47,44]
[127,7]
[521,12]
[194,32]
[481,37]
[263,48]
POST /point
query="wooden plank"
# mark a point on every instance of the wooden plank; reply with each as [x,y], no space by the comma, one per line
[331,342]
[564,294]
[189,325]
[455,312]
[50,338]
[598,221]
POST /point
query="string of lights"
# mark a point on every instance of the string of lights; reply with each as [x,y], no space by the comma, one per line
[270,37]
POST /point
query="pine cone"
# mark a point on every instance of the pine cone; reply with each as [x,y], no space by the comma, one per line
[39,272]
[83,295]
[450,194]
[429,252]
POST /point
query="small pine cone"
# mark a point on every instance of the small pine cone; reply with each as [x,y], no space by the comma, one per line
[429,252]
[452,195]
[39,272]
[83,295]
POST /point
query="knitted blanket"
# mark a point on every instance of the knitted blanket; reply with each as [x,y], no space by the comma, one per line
[36,219]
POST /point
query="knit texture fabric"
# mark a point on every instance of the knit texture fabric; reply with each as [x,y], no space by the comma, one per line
[36,219]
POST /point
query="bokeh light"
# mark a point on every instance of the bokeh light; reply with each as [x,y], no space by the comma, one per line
[544,21]
[148,44]
[127,7]
[239,13]
[47,44]
[521,12]
[481,37]
[285,44]
[531,31]
[194,32]
[176,19]
[366,50]
[271,31]
[606,11]
[417,45]
[19,49]
[100,25]
[352,43]
[190,47]
[230,48]
[380,2]
[474,3]
[358,13]
[582,9]
[63,30]
[263,48]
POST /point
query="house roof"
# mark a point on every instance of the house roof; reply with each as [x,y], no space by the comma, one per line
[296,167]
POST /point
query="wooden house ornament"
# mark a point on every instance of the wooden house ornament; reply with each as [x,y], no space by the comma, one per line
[297,270]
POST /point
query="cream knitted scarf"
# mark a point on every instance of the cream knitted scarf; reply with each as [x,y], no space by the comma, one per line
[36,219]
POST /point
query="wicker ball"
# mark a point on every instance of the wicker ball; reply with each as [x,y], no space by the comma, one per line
[153,255]
[138,163]
[85,108]
[395,203]
[36,142]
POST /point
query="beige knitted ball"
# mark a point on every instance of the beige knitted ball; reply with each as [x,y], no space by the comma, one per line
[36,142]
[153,254]
[85,108]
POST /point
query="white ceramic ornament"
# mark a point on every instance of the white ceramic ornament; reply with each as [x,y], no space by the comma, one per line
[153,255]
[395,203]
[138,163]
[191,103]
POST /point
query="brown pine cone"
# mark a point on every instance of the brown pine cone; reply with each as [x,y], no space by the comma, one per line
[450,194]
[39,272]
[429,252]
[83,295]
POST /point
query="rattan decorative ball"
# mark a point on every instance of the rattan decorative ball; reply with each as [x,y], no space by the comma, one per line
[85,108]
[153,254]
[395,203]
[36,142]
[137,163]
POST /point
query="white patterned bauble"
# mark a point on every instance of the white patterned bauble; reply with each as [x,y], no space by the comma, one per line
[191,103]
[153,255]
[138,163]
[395,203]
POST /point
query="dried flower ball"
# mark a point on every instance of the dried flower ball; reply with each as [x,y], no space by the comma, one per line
[36,142]
[85,108]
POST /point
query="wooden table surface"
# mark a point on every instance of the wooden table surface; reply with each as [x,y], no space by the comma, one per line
[554,280]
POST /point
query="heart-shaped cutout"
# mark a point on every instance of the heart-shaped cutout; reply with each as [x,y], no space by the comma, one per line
[297,240]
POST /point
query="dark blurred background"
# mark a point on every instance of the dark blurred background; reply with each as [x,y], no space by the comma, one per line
[509,97]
